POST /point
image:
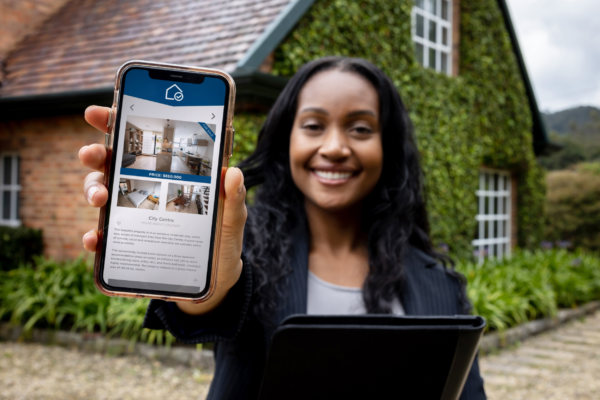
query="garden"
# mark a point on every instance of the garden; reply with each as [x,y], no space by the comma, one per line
[43,293]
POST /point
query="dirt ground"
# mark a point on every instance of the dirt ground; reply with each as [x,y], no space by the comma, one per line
[563,364]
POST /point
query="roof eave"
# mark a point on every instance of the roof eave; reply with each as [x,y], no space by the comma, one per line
[253,88]
[540,134]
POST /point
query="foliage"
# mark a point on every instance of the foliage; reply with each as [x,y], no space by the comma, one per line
[531,285]
[63,294]
[480,117]
[19,246]
[573,206]
[247,127]
[580,143]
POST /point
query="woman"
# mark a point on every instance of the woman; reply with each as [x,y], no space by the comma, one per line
[338,226]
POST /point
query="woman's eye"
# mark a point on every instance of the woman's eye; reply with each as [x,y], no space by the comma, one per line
[311,127]
[362,130]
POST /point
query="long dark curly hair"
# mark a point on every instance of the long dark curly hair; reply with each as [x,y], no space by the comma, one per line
[396,215]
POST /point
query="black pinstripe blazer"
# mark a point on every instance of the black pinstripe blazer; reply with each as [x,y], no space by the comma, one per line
[241,341]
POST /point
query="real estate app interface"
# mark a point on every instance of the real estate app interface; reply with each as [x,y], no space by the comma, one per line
[165,186]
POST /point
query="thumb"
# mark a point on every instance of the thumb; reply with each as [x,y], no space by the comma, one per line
[235,213]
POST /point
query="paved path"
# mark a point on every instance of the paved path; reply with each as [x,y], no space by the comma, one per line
[38,372]
[563,364]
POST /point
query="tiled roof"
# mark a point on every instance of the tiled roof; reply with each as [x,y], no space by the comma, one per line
[83,44]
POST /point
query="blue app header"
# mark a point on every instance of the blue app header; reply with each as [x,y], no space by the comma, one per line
[138,84]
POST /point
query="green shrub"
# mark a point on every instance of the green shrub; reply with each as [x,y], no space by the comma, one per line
[573,206]
[509,292]
[531,285]
[19,246]
[63,295]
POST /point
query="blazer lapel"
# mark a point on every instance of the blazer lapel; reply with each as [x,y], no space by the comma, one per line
[296,284]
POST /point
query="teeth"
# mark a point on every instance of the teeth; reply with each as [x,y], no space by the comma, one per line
[333,175]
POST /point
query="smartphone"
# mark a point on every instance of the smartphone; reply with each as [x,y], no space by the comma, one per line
[169,139]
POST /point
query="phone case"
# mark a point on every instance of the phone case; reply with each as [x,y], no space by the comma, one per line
[227,153]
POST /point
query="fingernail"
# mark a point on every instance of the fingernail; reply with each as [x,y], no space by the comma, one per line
[84,237]
[241,187]
[91,192]
[88,107]
[79,154]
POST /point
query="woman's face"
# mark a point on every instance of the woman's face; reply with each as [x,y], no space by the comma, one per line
[336,154]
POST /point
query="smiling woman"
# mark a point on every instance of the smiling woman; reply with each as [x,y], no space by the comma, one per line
[338,226]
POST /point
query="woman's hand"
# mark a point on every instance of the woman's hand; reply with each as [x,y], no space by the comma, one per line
[234,216]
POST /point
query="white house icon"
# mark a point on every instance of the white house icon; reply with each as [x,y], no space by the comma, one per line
[176,93]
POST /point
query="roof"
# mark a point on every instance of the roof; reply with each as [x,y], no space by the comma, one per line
[81,46]
[51,72]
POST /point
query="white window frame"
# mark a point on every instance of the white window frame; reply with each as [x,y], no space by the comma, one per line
[14,188]
[491,242]
[425,42]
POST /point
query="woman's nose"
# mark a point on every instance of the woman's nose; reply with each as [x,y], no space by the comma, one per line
[334,145]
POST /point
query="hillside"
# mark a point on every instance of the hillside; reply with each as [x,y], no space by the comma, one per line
[560,121]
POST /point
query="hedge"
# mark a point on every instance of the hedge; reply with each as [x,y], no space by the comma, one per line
[19,246]
[573,206]
[528,286]
[480,117]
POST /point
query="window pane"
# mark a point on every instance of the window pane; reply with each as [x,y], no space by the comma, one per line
[6,204]
[419,52]
[420,4]
[420,26]
[432,58]
[444,62]
[431,6]
[432,31]
[445,36]
[7,166]
[18,205]
[445,9]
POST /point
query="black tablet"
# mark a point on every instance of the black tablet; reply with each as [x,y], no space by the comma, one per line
[371,357]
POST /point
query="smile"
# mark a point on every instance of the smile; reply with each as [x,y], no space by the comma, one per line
[333,176]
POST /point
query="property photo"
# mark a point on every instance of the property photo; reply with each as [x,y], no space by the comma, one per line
[137,193]
[188,199]
[181,147]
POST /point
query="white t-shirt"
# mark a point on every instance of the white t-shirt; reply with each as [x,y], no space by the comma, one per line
[326,298]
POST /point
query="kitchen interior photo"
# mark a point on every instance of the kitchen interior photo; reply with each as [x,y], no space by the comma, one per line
[138,193]
[165,145]
[190,199]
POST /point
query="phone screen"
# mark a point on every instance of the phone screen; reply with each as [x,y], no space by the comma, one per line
[166,173]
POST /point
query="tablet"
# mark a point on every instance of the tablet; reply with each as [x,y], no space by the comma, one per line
[370,357]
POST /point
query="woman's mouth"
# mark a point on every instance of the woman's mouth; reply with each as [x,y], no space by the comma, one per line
[332,177]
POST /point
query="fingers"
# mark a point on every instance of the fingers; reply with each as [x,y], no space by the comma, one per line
[94,190]
[90,240]
[93,156]
[97,117]
[234,216]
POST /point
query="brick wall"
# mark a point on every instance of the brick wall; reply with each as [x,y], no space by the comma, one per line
[51,179]
[20,17]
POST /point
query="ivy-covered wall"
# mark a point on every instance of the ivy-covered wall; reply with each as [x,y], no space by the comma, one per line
[480,117]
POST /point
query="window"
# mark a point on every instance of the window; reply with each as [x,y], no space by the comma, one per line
[432,33]
[494,227]
[9,190]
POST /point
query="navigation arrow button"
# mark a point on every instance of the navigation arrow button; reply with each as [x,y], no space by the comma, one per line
[132,107]
[213,116]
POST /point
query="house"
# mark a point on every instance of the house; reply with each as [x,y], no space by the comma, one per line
[456,63]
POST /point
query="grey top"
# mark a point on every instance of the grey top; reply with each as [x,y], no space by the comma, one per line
[326,298]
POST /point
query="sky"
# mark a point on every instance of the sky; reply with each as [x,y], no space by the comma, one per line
[560,42]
